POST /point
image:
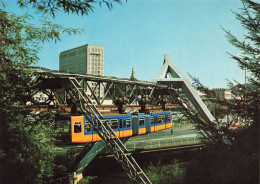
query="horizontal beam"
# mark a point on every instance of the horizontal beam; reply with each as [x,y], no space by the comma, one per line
[94,78]
[104,109]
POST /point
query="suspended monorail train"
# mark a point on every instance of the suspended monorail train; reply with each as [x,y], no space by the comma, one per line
[77,129]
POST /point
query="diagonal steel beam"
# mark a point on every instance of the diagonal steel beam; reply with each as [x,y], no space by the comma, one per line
[93,94]
[107,92]
[106,133]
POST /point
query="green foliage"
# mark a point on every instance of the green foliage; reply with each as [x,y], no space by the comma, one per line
[169,173]
[232,156]
[87,179]
[68,6]
[250,51]
[26,143]
[226,165]
[26,138]
[247,96]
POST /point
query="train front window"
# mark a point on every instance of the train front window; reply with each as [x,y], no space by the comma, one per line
[77,127]
[114,123]
[128,122]
[63,126]
[152,121]
[141,121]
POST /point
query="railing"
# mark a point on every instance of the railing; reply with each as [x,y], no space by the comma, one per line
[183,125]
[160,143]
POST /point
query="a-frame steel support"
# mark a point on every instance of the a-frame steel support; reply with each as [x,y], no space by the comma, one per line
[169,75]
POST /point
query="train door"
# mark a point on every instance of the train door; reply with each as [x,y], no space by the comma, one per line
[135,125]
[88,131]
[114,125]
[141,125]
[169,120]
[164,119]
[122,127]
[155,122]
[148,123]
[128,130]
[152,124]
[77,134]
[159,123]
[125,127]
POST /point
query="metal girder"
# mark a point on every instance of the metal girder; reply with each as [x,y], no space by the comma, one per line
[110,86]
[170,76]
[105,132]
[133,89]
[93,94]
[93,78]
[120,90]
[124,87]
[132,92]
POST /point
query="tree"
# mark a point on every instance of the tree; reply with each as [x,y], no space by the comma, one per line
[26,138]
[168,173]
[232,155]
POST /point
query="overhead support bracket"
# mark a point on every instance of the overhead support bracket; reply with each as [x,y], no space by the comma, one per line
[169,75]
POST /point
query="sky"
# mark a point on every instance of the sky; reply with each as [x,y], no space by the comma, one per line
[139,32]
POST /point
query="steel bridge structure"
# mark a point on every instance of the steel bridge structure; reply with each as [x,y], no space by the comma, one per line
[164,92]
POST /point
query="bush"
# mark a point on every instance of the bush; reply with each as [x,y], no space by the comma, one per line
[169,173]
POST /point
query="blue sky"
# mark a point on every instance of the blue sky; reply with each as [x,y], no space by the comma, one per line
[140,32]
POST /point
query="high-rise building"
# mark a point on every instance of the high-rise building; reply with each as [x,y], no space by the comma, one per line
[85,59]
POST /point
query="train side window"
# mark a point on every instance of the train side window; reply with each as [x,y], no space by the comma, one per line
[128,122]
[155,119]
[87,126]
[163,118]
[114,123]
[169,117]
[77,127]
[141,121]
[106,122]
[159,119]
[152,120]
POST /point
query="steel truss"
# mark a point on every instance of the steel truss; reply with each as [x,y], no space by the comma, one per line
[122,92]
[105,132]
